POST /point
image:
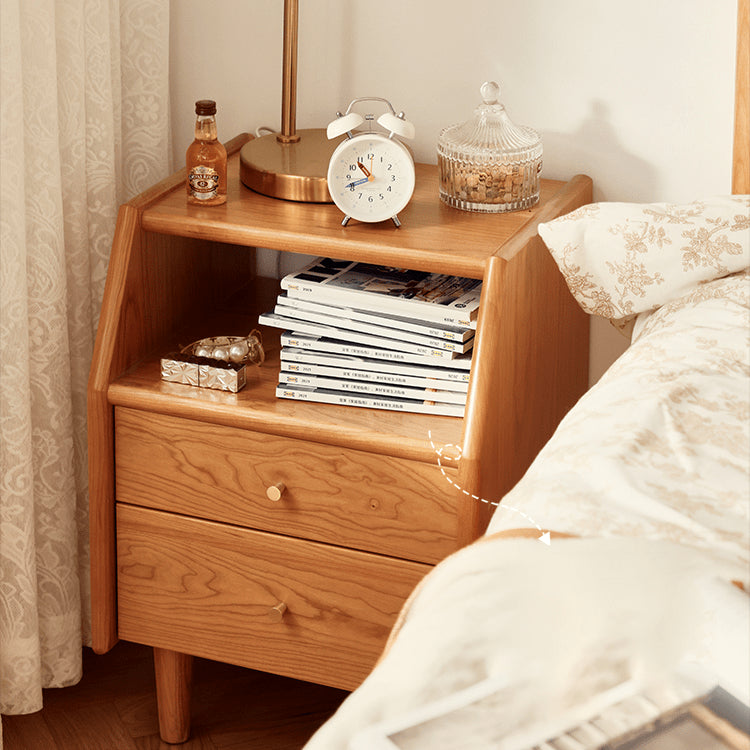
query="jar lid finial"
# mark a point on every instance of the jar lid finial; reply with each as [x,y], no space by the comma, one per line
[490,92]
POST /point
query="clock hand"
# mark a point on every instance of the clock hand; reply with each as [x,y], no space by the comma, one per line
[354,184]
[369,174]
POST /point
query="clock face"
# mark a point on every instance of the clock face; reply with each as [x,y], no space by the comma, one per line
[371,177]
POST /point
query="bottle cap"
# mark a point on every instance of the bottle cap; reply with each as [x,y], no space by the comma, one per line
[205,107]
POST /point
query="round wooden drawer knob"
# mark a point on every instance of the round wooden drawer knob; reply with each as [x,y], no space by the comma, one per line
[275,491]
[276,613]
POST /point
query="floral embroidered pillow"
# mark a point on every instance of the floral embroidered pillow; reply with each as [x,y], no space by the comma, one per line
[621,259]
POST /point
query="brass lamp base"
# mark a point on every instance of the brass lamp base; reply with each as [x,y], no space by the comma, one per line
[295,171]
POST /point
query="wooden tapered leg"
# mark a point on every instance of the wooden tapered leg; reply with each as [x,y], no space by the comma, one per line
[174,681]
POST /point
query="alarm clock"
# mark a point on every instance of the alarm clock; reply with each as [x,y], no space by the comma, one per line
[371,174]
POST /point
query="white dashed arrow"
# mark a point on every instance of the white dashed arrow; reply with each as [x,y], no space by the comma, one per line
[545,535]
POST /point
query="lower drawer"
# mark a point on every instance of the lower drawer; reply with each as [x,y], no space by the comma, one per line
[288,606]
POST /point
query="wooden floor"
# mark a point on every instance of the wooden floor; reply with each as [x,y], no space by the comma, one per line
[114,708]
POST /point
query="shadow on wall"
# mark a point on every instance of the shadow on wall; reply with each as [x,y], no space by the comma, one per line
[618,175]
[595,149]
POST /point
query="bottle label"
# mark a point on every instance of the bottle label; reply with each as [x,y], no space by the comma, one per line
[204,183]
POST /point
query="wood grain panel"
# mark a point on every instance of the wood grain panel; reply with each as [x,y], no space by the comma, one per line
[154,283]
[100,423]
[741,150]
[532,333]
[256,407]
[206,589]
[149,287]
[345,497]
[432,237]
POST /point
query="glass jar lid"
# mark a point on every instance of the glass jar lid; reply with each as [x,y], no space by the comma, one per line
[490,133]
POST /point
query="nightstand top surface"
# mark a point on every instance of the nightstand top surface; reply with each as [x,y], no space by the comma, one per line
[432,237]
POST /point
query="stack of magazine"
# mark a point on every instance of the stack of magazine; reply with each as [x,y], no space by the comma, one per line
[385,338]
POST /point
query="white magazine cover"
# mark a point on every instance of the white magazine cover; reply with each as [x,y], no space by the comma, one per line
[335,346]
[399,322]
[359,367]
[319,329]
[325,396]
[344,323]
[368,376]
[429,296]
[369,388]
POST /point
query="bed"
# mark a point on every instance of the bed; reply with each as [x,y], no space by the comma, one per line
[644,489]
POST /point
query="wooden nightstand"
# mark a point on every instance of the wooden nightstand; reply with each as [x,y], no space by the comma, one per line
[188,553]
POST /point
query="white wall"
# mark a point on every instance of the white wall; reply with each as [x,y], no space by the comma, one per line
[638,94]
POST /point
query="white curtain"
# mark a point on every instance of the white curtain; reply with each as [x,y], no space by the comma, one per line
[85,126]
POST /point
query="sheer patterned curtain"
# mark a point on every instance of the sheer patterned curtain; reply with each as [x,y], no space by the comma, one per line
[85,126]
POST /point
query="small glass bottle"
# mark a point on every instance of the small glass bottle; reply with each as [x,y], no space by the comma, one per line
[206,159]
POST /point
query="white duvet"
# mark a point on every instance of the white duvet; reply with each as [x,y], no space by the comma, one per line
[659,448]
[650,470]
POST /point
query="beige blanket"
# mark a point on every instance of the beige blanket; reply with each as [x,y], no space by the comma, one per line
[651,468]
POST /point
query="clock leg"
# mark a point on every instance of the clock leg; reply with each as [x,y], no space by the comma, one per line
[395,220]
[345,220]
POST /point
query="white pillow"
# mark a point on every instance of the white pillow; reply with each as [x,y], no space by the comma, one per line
[621,259]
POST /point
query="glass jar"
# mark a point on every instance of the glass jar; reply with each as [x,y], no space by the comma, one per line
[489,164]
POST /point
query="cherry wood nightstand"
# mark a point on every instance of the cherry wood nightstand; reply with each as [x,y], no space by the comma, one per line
[188,553]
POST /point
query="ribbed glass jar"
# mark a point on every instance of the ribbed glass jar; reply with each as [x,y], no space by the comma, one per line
[489,164]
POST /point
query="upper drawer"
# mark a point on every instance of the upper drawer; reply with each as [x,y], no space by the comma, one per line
[347,497]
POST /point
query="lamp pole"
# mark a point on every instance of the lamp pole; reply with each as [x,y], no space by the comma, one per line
[290,164]
[288,132]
